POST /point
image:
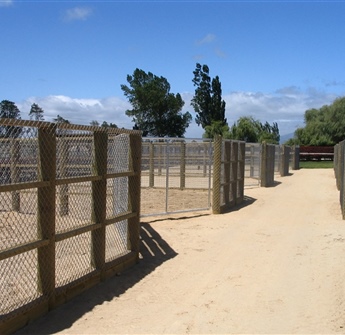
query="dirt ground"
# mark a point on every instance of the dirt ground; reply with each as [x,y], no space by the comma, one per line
[274,265]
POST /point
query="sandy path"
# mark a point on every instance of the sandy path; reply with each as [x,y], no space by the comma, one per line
[275,265]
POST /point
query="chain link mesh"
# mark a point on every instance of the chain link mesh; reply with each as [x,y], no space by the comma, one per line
[176,175]
[69,200]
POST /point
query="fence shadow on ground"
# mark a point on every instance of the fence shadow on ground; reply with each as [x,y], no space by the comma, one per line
[154,251]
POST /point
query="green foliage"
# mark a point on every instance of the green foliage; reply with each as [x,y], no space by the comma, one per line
[9,110]
[156,111]
[207,101]
[216,128]
[110,125]
[324,126]
[36,113]
[250,130]
[60,119]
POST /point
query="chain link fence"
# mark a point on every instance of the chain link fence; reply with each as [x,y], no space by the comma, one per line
[176,175]
[69,212]
[253,153]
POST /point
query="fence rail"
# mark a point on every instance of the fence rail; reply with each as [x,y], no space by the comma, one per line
[69,213]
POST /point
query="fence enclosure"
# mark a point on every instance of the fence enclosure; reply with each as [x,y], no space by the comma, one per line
[71,198]
[69,213]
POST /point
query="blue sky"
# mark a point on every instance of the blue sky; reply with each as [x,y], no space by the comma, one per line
[275,59]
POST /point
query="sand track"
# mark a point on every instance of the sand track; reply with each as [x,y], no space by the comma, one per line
[275,265]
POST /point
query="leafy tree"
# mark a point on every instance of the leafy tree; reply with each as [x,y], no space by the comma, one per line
[94,123]
[60,119]
[156,111]
[217,128]
[106,124]
[9,110]
[36,113]
[207,101]
[250,130]
[324,126]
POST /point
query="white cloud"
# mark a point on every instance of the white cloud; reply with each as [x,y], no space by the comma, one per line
[207,39]
[285,106]
[78,13]
[80,111]
[6,3]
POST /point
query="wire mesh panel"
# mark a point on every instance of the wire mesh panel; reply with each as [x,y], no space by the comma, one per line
[176,175]
[252,164]
[69,208]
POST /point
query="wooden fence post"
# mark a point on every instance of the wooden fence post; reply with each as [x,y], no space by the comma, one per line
[228,176]
[240,172]
[46,211]
[217,163]
[99,197]
[234,170]
[152,166]
[183,166]
[295,157]
[134,185]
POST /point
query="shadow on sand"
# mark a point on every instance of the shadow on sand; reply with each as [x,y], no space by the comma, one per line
[154,251]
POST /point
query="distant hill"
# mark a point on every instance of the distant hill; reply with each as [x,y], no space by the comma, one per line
[284,138]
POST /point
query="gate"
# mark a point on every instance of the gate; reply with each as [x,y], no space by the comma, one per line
[176,175]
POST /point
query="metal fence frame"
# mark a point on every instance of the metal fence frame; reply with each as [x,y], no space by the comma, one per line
[50,177]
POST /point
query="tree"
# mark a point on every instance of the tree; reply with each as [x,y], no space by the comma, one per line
[60,119]
[36,113]
[110,125]
[207,101]
[251,130]
[156,111]
[324,126]
[94,123]
[216,128]
[9,110]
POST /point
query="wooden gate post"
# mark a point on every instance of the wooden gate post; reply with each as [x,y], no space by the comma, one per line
[152,165]
[183,166]
[46,211]
[217,163]
[99,198]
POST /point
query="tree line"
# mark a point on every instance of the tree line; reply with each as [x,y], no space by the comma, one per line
[157,112]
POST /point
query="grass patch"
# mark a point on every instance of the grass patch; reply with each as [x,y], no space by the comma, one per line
[316,164]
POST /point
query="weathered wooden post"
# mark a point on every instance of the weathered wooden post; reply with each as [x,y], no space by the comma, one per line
[234,170]
[284,160]
[152,165]
[240,172]
[99,195]
[217,163]
[267,165]
[134,185]
[46,211]
[295,157]
[227,161]
[183,166]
